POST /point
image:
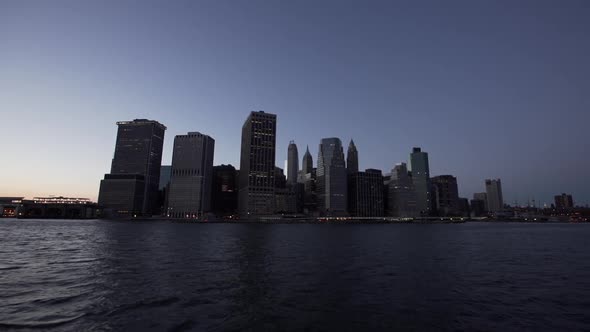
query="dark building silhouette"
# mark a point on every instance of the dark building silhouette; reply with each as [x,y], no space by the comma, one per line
[478,208]
[401,197]
[564,202]
[420,169]
[482,197]
[494,194]
[352,159]
[59,207]
[332,178]
[192,176]
[292,163]
[257,165]
[464,209]
[365,193]
[165,171]
[225,190]
[131,188]
[446,195]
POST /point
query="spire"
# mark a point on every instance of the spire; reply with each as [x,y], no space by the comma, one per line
[352,159]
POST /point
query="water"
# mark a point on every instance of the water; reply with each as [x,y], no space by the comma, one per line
[102,275]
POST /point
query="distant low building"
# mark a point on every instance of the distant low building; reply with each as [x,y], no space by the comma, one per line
[59,208]
[10,207]
[478,208]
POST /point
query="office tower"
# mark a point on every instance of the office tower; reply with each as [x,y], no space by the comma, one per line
[224,197]
[352,159]
[401,194]
[494,194]
[257,165]
[365,193]
[421,179]
[446,195]
[292,163]
[131,188]
[464,209]
[280,178]
[307,165]
[331,178]
[482,197]
[192,176]
[165,172]
[564,202]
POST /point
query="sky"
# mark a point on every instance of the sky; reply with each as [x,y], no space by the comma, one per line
[490,89]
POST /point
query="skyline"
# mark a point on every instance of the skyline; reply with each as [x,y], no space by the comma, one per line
[68,81]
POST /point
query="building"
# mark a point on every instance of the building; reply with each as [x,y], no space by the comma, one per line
[482,197]
[332,178]
[224,197]
[280,178]
[564,202]
[165,171]
[464,209]
[307,164]
[292,163]
[191,179]
[131,188]
[308,178]
[477,207]
[352,158]
[494,195]
[401,197]
[421,179]
[257,165]
[10,207]
[446,195]
[59,208]
[365,193]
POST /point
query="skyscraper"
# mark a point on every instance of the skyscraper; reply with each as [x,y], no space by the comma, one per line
[352,159]
[307,165]
[224,196]
[331,178]
[421,179]
[192,176]
[446,195]
[401,194]
[131,188]
[292,163]
[257,165]
[365,193]
[494,195]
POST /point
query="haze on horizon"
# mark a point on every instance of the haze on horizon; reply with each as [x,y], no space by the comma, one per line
[490,89]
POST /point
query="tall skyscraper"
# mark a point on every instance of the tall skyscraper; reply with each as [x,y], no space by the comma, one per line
[224,196]
[564,202]
[331,178]
[494,195]
[257,165]
[192,176]
[446,195]
[292,163]
[421,179]
[401,194]
[352,159]
[365,193]
[307,165]
[131,188]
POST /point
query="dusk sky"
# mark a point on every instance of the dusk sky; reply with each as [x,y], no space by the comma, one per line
[490,89]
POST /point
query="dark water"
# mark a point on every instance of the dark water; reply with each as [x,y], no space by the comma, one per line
[101,275]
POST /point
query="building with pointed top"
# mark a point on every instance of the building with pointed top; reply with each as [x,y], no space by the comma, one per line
[352,158]
[307,165]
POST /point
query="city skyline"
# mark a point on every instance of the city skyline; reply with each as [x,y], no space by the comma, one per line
[494,110]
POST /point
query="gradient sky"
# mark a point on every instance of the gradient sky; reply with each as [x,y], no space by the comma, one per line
[487,88]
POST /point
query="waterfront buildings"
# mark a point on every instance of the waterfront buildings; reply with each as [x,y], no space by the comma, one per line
[131,188]
[292,163]
[494,195]
[224,200]
[192,176]
[482,197]
[10,207]
[421,180]
[365,193]
[401,196]
[446,195]
[59,208]
[257,165]
[331,178]
[478,208]
[564,202]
